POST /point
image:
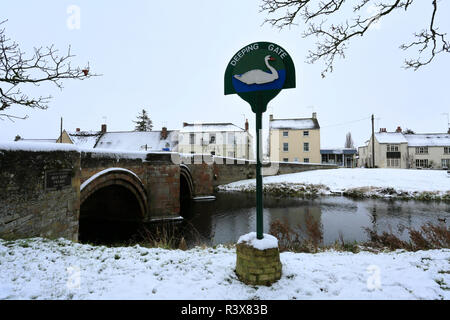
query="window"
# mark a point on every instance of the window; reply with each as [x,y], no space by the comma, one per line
[306,146]
[285,133]
[446,150]
[192,138]
[306,160]
[393,163]
[212,138]
[446,163]
[306,133]
[392,148]
[421,163]
[421,150]
[286,159]
[285,146]
[231,138]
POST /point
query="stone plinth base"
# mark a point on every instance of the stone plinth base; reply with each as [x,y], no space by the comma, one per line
[257,267]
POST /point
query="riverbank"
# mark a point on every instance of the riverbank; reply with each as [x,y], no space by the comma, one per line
[59,269]
[355,183]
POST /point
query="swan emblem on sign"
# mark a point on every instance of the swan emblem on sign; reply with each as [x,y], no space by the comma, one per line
[258,76]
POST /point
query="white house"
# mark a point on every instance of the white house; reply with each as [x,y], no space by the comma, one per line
[404,150]
[220,139]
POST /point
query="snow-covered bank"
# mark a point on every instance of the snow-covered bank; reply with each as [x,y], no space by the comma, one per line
[397,183]
[44,269]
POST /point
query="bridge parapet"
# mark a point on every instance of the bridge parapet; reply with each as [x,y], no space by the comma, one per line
[39,191]
[209,171]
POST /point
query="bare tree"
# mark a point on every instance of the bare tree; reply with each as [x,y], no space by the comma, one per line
[17,70]
[333,38]
[349,141]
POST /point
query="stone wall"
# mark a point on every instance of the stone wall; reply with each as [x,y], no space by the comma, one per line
[30,206]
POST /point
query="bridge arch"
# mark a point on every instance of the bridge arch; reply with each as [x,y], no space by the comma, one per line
[116,177]
[186,183]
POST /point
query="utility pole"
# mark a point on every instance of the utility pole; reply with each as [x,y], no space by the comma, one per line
[373,143]
[60,131]
[448,121]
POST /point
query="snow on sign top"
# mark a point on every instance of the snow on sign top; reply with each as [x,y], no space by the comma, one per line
[298,124]
[267,242]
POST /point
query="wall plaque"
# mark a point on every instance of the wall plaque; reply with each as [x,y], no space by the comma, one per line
[58,179]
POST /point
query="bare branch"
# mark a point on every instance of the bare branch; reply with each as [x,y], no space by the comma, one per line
[333,38]
[44,66]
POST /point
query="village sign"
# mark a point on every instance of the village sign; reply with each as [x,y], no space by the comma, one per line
[257,73]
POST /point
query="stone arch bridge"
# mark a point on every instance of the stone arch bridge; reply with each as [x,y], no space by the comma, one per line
[44,191]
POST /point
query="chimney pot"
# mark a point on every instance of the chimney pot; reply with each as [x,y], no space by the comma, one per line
[271,117]
[78,130]
[246,124]
[185,124]
[164,133]
[314,115]
[399,129]
[103,128]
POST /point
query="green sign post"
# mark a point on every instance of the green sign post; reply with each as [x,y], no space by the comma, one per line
[257,73]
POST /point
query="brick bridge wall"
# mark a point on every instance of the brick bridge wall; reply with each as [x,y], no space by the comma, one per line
[29,207]
[158,174]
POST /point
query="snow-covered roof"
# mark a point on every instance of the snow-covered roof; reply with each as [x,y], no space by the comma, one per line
[415,140]
[338,151]
[428,140]
[138,140]
[38,140]
[210,127]
[390,137]
[84,139]
[295,124]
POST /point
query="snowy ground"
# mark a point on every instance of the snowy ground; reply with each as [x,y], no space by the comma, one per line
[407,183]
[44,269]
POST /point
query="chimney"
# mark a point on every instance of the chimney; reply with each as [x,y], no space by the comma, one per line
[271,117]
[78,129]
[448,131]
[314,115]
[103,128]
[163,133]
[382,129]
[185,124]
[398,130]
[246,124]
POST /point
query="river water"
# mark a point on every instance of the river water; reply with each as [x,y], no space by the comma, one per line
[233,214]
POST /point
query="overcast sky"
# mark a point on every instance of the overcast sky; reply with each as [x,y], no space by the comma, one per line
[169,57]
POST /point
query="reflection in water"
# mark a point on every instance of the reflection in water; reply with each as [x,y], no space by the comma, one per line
[234,214]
